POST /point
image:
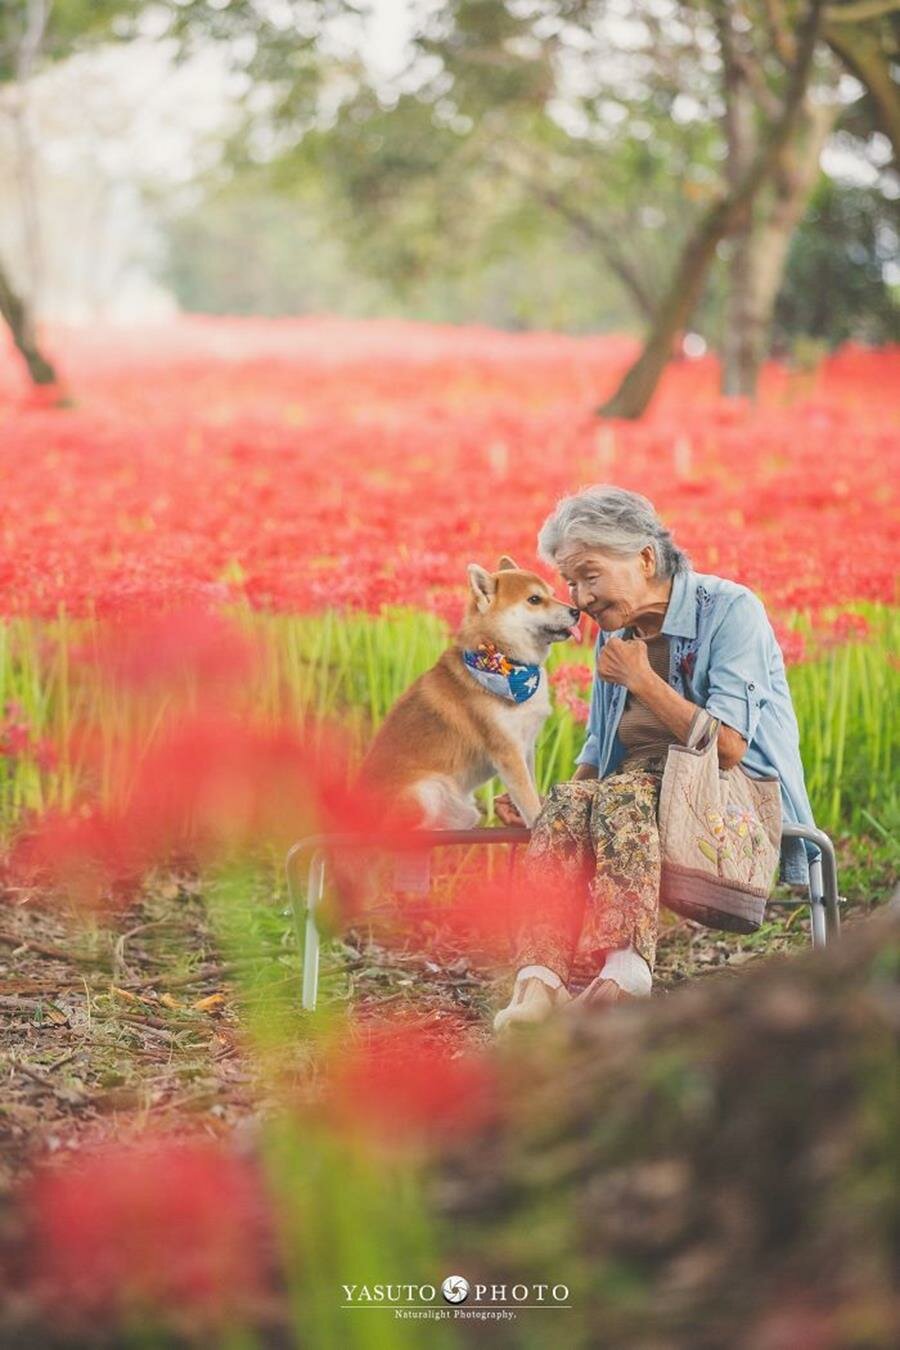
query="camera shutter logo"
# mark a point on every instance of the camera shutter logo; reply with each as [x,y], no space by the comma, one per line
[455,1289]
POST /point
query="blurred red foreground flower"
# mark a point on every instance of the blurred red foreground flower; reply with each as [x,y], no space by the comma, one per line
[485,912]
[146,650]
[399,1082]
[157,1229]
[211,787]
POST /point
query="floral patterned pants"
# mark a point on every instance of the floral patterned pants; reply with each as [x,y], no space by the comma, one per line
[589,881]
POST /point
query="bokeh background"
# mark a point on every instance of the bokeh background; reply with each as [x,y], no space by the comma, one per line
[523,165]
[304,305]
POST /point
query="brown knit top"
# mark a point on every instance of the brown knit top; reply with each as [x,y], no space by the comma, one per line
[639,728]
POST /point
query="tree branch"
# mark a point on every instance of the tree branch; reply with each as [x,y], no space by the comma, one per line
[862,54]
[591,230]
[782,37]
[766,100]
[605,240]
[744,57]
[861,11]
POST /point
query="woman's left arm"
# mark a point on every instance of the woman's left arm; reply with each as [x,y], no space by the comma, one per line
[628,663]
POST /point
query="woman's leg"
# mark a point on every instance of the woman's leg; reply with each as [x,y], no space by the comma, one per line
[622,907]
[551,884]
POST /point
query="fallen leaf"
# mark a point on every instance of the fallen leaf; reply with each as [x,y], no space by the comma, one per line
[170,1001]
[210,1004]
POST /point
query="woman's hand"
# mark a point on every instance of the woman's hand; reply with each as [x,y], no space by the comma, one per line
[625,663]
[505,811]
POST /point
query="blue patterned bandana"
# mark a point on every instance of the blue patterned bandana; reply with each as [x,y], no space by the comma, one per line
[515,681]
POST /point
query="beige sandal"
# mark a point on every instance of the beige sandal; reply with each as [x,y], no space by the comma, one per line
[601,992]
[533,1001]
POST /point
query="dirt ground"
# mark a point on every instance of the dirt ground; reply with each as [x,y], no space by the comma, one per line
[106,1029]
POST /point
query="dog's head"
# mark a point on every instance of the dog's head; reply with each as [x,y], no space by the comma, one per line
[517,611]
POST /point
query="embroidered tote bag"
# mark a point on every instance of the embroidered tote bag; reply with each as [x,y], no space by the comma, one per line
[720,834]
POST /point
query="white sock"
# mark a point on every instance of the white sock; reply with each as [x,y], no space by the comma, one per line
[544,973]
[630,972]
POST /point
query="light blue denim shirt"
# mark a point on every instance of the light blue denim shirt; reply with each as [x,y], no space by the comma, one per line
[723,655]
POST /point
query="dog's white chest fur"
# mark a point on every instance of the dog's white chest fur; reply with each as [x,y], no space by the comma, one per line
[522,722]
[447,802]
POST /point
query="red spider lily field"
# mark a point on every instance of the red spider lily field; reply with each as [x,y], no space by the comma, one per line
[299,466]
[222,558]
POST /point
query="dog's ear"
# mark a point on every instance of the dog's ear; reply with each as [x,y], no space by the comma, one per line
[508,564]
[483,586]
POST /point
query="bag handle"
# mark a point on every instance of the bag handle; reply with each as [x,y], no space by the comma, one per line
[703,730]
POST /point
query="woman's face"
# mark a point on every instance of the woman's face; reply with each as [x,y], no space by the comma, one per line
[613,590]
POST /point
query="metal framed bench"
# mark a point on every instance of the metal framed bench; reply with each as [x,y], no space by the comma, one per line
[823,899]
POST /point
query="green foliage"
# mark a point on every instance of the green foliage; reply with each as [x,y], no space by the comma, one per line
[71,24]
[251,250]
[270,42]
[537,167]
[532,169]
[255,247]
[394,208]
[834,286]
[466,197]
[351,668]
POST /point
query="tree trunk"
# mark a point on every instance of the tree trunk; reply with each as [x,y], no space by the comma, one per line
[760,252]
[15,312]
[640,381]
[639,384]
[742,142]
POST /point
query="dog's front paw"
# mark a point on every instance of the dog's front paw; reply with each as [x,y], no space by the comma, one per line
[506,811]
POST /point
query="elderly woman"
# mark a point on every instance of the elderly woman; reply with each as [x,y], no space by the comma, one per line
[594,856]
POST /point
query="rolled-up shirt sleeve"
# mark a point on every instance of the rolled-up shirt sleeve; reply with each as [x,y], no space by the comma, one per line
[739,663]
[590,751]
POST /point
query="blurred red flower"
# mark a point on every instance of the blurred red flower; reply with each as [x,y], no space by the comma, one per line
[45,754]
[89,855]
[571,684]
[398,1082]
[155,1230]
[845,627]
[485,913]
[212,786]
[147,649]
[792,643]
[15,738]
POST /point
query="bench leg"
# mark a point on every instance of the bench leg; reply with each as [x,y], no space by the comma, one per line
[818,926]
[305,918]
[314,893]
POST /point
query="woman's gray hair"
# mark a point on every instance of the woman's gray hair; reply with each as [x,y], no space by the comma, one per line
[613,520]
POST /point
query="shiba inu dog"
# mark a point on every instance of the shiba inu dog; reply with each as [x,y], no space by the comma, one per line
[478,711]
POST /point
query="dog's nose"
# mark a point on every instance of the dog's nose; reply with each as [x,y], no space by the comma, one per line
[574,612]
